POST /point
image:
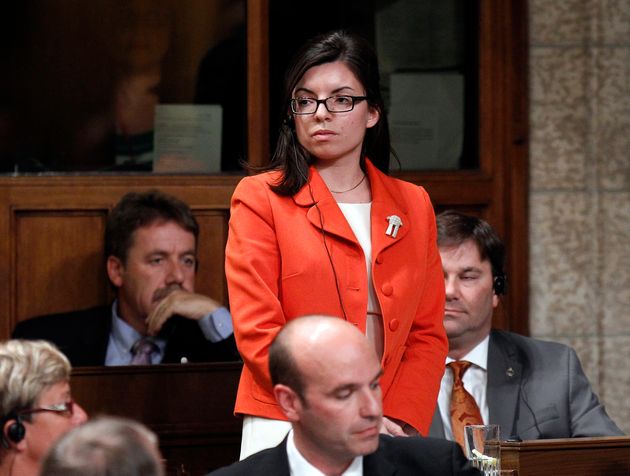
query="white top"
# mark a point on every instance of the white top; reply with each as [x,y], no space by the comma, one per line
[299,466]
[475,382]
[358,217]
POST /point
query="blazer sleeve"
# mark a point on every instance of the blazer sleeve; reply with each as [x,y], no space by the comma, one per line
[588,415]
[253,270]
[415,389]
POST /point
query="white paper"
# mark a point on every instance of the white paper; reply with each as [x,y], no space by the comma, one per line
[426,119]
[187,138]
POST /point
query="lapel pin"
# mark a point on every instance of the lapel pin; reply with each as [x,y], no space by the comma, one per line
[510,372]
[394,224]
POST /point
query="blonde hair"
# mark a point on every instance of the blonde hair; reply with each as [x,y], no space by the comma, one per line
[27,368]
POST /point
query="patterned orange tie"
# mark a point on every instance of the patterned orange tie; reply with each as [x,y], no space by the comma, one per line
[464,409]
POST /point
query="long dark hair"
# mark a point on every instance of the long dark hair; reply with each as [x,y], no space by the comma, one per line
[357,54]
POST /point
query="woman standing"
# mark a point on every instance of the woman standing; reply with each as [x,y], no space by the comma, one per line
[326,231]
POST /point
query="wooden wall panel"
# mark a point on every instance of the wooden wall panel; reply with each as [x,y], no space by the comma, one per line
[211,249]
[59,263]
[194,419]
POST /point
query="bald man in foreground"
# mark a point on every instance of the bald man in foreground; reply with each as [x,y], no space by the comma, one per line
[326,378]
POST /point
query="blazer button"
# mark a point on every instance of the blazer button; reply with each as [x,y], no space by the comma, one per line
[387,289]
[393,325]
[379,259]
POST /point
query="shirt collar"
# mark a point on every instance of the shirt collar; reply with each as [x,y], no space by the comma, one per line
[477,356]
[299,466]
[124,336]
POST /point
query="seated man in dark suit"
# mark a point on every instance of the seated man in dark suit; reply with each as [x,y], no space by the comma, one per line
[326,378]
[151,248]
[36,406]
[533,389]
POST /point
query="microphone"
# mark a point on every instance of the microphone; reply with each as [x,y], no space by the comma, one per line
[514,436]
[531,410]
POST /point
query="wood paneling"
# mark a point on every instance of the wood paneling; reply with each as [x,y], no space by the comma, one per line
[602,456]
[211,248]
[190,407]
[59,263]
[258,82]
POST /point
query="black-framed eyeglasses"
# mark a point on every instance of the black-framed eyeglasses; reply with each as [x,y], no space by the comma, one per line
[332,104]
[65,408]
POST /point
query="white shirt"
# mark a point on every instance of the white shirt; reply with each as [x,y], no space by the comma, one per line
[359,219]
[475,382]
[298,466]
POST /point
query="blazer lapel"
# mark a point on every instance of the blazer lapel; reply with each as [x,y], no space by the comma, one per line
[436,430]
[94,337]
[504,382]
[323,208]
[386,202]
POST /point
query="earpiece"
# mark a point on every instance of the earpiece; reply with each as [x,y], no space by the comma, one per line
[500,284]
[15,431]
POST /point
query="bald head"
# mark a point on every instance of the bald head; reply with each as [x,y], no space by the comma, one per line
[313,339]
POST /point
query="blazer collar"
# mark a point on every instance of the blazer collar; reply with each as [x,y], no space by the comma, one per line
[386,201]
[505,371]
[377,464]
[436,430]
[323,211]
[275,461]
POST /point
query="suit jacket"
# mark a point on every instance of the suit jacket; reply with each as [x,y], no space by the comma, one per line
[83,337]
[412,456]
[538,390]
[278,267]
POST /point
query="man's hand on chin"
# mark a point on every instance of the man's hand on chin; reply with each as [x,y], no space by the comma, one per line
[181,303]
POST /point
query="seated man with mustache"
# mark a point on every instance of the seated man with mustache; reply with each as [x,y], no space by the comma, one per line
[151,248]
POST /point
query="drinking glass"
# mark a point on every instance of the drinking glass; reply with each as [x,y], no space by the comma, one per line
[483,448]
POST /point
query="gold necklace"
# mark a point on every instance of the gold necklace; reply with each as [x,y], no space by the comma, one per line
[351,188]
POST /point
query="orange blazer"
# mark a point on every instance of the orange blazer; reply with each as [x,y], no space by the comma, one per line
[278,269]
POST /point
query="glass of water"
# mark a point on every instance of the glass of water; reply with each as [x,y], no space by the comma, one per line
[483,448]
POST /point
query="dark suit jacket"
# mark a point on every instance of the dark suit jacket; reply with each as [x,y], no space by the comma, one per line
[400,456]
[538,390]
[83,337]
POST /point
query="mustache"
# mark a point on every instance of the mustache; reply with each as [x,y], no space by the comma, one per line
[161,293]
[454,307]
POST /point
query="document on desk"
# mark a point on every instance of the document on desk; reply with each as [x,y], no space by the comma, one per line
[187,138]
